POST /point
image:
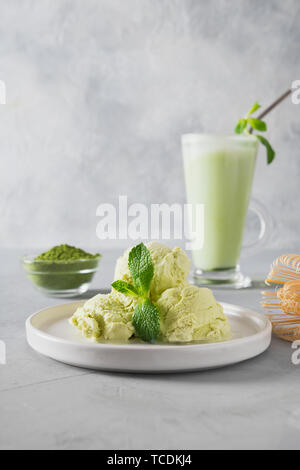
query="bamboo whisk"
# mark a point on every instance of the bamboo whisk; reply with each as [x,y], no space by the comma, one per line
[283,301]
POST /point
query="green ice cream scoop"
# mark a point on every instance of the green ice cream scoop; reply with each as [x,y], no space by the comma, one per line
[171,268]
[105,317]
[191,314]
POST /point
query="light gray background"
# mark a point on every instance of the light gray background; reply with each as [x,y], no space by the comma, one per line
[99,92]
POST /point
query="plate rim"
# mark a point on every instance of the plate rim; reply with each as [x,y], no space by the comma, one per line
[30,328]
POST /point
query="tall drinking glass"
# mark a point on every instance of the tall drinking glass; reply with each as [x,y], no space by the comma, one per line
[219,172]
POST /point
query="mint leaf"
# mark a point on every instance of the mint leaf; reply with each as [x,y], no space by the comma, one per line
[146,321]
[240,127]
[125,288]
[257,124]
[270,150]
[254,108]
[141,268]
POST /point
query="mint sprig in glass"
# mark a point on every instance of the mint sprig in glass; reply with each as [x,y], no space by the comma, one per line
[249,123]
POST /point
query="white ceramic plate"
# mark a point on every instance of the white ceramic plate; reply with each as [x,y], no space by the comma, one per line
[50,333]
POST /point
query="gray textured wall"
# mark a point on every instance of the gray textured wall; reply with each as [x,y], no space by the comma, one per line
[99,92]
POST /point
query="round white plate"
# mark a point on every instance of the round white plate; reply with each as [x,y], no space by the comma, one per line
[50,333]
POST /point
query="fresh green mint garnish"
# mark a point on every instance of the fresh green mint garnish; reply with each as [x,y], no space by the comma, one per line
[270,150]
[257,124]
[125,288]
[254,108]
[146,321]
[141,268]
[145,316]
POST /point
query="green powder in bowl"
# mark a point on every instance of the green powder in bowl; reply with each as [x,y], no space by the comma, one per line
[62,271]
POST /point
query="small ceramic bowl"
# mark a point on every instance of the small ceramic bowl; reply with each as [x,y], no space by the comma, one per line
[61,278]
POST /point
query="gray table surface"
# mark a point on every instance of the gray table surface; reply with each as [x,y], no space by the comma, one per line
[48,405]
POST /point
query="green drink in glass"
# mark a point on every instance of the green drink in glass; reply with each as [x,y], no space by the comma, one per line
[219,172]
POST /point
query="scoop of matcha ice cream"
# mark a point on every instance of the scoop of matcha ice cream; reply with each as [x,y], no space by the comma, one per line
[171,268]
[106,317]
[191,314]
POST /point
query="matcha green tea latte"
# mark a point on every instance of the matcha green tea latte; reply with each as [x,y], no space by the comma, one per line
[62,271]
[219,170]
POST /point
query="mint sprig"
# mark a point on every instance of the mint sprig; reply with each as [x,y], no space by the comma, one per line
[254,108]
[270,150]
[141,268]
[257,124]
[146,321]
[145,316]
[125,288]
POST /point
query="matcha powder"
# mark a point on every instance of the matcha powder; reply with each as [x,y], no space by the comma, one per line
[65,253]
